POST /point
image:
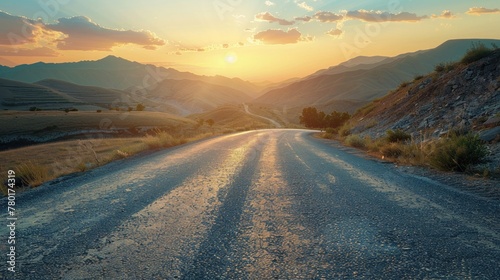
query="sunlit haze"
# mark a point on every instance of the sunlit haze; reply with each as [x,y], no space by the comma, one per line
[254,40]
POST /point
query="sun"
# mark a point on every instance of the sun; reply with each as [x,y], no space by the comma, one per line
[231,58]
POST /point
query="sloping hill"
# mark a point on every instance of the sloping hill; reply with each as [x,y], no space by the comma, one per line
[468,96]
[190,96]
[22,96]
[363,85]
[114,72]
[90,95]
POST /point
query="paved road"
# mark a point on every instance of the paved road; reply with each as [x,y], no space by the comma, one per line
[271,204]
[273,122]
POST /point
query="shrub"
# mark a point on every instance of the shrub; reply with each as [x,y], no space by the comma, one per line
[458,152]
[475,53]
[397,135]
[99,111]
[345,130]
[393,150]
[418,77]
[140,107]
[355,141]
[445,67]
[331,130]
[404,84]
[32,174]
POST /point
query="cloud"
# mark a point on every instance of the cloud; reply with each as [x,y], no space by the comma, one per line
[335,32]
[42,51]
[83,34]
[379,16]
[76,33]
[444,14]
[269,3]
[306,7]
[270,18]
[280,37]
[16,30]
[481,10]
[306,18]
[327,16]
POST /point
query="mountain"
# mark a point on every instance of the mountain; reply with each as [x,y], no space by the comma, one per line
[464,96]
[362,83]
[360,60]
[191,96]
[114,72]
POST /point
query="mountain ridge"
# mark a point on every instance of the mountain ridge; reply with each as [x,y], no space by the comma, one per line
[366,84]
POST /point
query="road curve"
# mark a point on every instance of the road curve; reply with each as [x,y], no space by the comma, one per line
[268,204]
[273,122]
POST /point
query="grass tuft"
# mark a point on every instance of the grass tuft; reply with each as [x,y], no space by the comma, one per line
[32,174]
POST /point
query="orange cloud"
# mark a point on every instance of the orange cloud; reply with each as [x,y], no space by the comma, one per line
[327,16]
[279,37]
[379,16]
[444,14]
[270,18]
[335,32]
[306,18]
[83,34]
[481,10]
[16,30]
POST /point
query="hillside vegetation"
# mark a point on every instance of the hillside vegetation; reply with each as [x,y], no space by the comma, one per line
[442,119]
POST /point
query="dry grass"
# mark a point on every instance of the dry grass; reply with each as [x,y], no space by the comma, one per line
[14,122]
[57,159]
[455,152]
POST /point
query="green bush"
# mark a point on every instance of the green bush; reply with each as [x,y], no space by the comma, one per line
[458,152]
[397,135]
[476,52]
[355,141]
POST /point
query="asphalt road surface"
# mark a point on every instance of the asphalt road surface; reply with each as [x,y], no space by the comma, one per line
[269,204]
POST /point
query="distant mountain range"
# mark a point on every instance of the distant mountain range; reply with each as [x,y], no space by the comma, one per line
[115,72]
[364,78]
[344,87]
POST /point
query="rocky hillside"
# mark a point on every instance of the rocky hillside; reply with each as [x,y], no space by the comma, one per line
[456,95]
[359,84]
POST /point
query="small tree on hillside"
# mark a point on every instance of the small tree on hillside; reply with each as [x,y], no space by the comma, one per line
[140,107]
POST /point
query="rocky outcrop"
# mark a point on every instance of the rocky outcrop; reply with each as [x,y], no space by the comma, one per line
[465,96]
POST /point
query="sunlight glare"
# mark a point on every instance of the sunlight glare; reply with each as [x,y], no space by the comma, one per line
[231,58]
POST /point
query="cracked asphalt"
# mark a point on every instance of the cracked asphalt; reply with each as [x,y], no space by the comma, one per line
[268,204]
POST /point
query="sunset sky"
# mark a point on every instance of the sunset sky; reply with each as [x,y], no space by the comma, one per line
[255,40]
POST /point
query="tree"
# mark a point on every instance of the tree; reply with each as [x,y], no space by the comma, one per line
[313,118]
[210,122]
[140,107]
[337,119]
[309,117]
[130,109]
